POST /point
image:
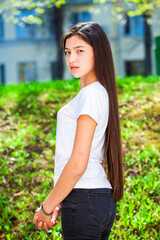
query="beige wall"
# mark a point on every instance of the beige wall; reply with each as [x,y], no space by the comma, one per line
[14,51]
[43,50]
[43,55]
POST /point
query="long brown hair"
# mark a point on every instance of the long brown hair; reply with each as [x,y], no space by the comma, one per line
[94,35]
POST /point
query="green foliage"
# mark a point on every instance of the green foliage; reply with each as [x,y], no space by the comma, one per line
[134,7]
[11,8]
[27,144]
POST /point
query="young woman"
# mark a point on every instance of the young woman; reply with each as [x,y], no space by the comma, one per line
[88,142]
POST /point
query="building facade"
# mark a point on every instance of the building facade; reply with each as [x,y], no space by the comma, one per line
[29,53]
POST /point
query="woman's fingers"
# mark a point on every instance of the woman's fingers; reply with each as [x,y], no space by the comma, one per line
[53,220]
[57,210]
[59,207]
[52,224]
[45,226]
[35,219]
[55,216]
[40,225]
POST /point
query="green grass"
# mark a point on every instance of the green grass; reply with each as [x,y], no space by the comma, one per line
[27,147]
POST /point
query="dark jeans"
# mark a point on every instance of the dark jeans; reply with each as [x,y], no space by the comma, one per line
[88,214]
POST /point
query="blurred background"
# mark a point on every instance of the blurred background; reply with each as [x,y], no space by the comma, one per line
[30,33]
[32,66]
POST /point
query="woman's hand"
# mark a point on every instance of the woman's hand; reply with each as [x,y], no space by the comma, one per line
[55,214]
[43,221]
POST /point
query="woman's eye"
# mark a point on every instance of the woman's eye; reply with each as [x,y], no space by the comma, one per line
[80,50]
[67,52]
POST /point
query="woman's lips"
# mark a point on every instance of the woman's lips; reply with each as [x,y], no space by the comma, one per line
[74,68]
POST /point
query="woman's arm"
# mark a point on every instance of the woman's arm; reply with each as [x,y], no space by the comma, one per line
[72,171]
[76,165]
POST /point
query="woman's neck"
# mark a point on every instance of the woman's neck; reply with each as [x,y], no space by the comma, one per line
[86,80]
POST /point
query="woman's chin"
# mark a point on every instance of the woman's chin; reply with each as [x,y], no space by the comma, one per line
[76,75]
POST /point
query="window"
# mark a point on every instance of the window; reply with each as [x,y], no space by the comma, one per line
[49,21]
[2,74]
[134,26]
[134,67]
[27,72]
[54,70]
[52,28]
[80,17]
[28,30]
[1,29]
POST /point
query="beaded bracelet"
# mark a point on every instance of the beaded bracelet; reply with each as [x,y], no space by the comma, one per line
[48,214]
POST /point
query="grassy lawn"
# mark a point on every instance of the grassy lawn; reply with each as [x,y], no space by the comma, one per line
[27,146]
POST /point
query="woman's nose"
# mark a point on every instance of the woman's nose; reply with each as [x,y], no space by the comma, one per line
[73,57]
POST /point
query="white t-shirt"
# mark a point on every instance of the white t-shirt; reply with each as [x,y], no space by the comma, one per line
[93,101]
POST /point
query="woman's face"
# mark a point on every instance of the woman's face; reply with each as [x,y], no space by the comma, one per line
[79,57]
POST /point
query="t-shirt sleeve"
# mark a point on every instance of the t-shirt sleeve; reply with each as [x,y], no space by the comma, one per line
[93,103]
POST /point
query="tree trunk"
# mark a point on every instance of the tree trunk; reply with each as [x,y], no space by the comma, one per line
[148,46]
[58,21]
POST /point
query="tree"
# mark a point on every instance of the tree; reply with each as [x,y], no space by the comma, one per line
[58,22]
[9,9]
[146,8]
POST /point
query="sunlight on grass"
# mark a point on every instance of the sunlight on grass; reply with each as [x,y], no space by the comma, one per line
[27,146]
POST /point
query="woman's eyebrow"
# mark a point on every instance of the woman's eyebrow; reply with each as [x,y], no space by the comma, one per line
[77,47]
